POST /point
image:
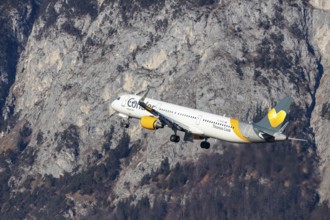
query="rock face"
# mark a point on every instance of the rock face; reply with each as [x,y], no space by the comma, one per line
[320,4]
[224,57]
[16,22]
[320,120]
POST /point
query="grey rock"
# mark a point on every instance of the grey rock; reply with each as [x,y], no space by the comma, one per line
[320,117]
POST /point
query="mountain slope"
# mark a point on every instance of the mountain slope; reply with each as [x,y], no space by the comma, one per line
[229,57]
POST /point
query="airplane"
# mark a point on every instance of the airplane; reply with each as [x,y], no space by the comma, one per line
[200,125]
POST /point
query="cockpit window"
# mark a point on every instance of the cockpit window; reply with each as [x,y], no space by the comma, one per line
[118,98]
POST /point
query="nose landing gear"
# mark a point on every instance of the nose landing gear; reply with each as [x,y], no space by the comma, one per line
[126,122]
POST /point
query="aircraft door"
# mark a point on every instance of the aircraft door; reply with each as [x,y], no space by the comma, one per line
[198,119]
[123,102]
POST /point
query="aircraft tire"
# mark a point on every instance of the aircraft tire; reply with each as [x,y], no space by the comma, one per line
[175,138]
[205,145]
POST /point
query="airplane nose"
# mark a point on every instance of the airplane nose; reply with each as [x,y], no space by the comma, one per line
[114,105]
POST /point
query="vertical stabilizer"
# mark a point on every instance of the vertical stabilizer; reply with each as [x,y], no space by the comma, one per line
[273,121]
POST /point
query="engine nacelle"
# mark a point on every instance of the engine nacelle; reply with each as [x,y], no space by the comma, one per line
[150,123]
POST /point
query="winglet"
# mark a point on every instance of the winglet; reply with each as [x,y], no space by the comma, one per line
[145,106]
[145,95]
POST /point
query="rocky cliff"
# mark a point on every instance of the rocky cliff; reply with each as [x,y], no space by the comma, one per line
[66,62]
[321,114]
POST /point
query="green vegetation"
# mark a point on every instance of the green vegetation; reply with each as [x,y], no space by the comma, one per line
[250,182]
[69,139]
[269,181]
[50,197]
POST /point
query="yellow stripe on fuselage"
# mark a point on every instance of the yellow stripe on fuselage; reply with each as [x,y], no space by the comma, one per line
[235,127]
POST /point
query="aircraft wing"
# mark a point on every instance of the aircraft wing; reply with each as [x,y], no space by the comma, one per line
[170,122]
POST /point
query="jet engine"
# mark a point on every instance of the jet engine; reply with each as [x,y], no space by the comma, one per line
[150,123]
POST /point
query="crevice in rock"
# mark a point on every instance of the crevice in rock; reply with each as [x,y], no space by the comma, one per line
[320,70]
[12,48]
[311,107]
[318,78]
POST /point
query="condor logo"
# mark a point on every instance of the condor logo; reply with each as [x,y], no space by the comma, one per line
[132,103]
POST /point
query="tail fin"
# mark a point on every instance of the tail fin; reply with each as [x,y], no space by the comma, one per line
[273,121]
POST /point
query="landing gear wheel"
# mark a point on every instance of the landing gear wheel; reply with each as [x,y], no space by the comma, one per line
[175,138]
[126,122]
[205,145]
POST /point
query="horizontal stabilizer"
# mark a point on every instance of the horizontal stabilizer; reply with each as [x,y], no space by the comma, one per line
[297,139]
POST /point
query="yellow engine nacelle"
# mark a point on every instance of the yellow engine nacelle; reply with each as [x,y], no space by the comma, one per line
[150,123]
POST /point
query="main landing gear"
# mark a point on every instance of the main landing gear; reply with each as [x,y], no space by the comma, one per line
[175,138]
[205,145]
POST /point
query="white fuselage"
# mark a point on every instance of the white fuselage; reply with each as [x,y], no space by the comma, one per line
[210,125]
